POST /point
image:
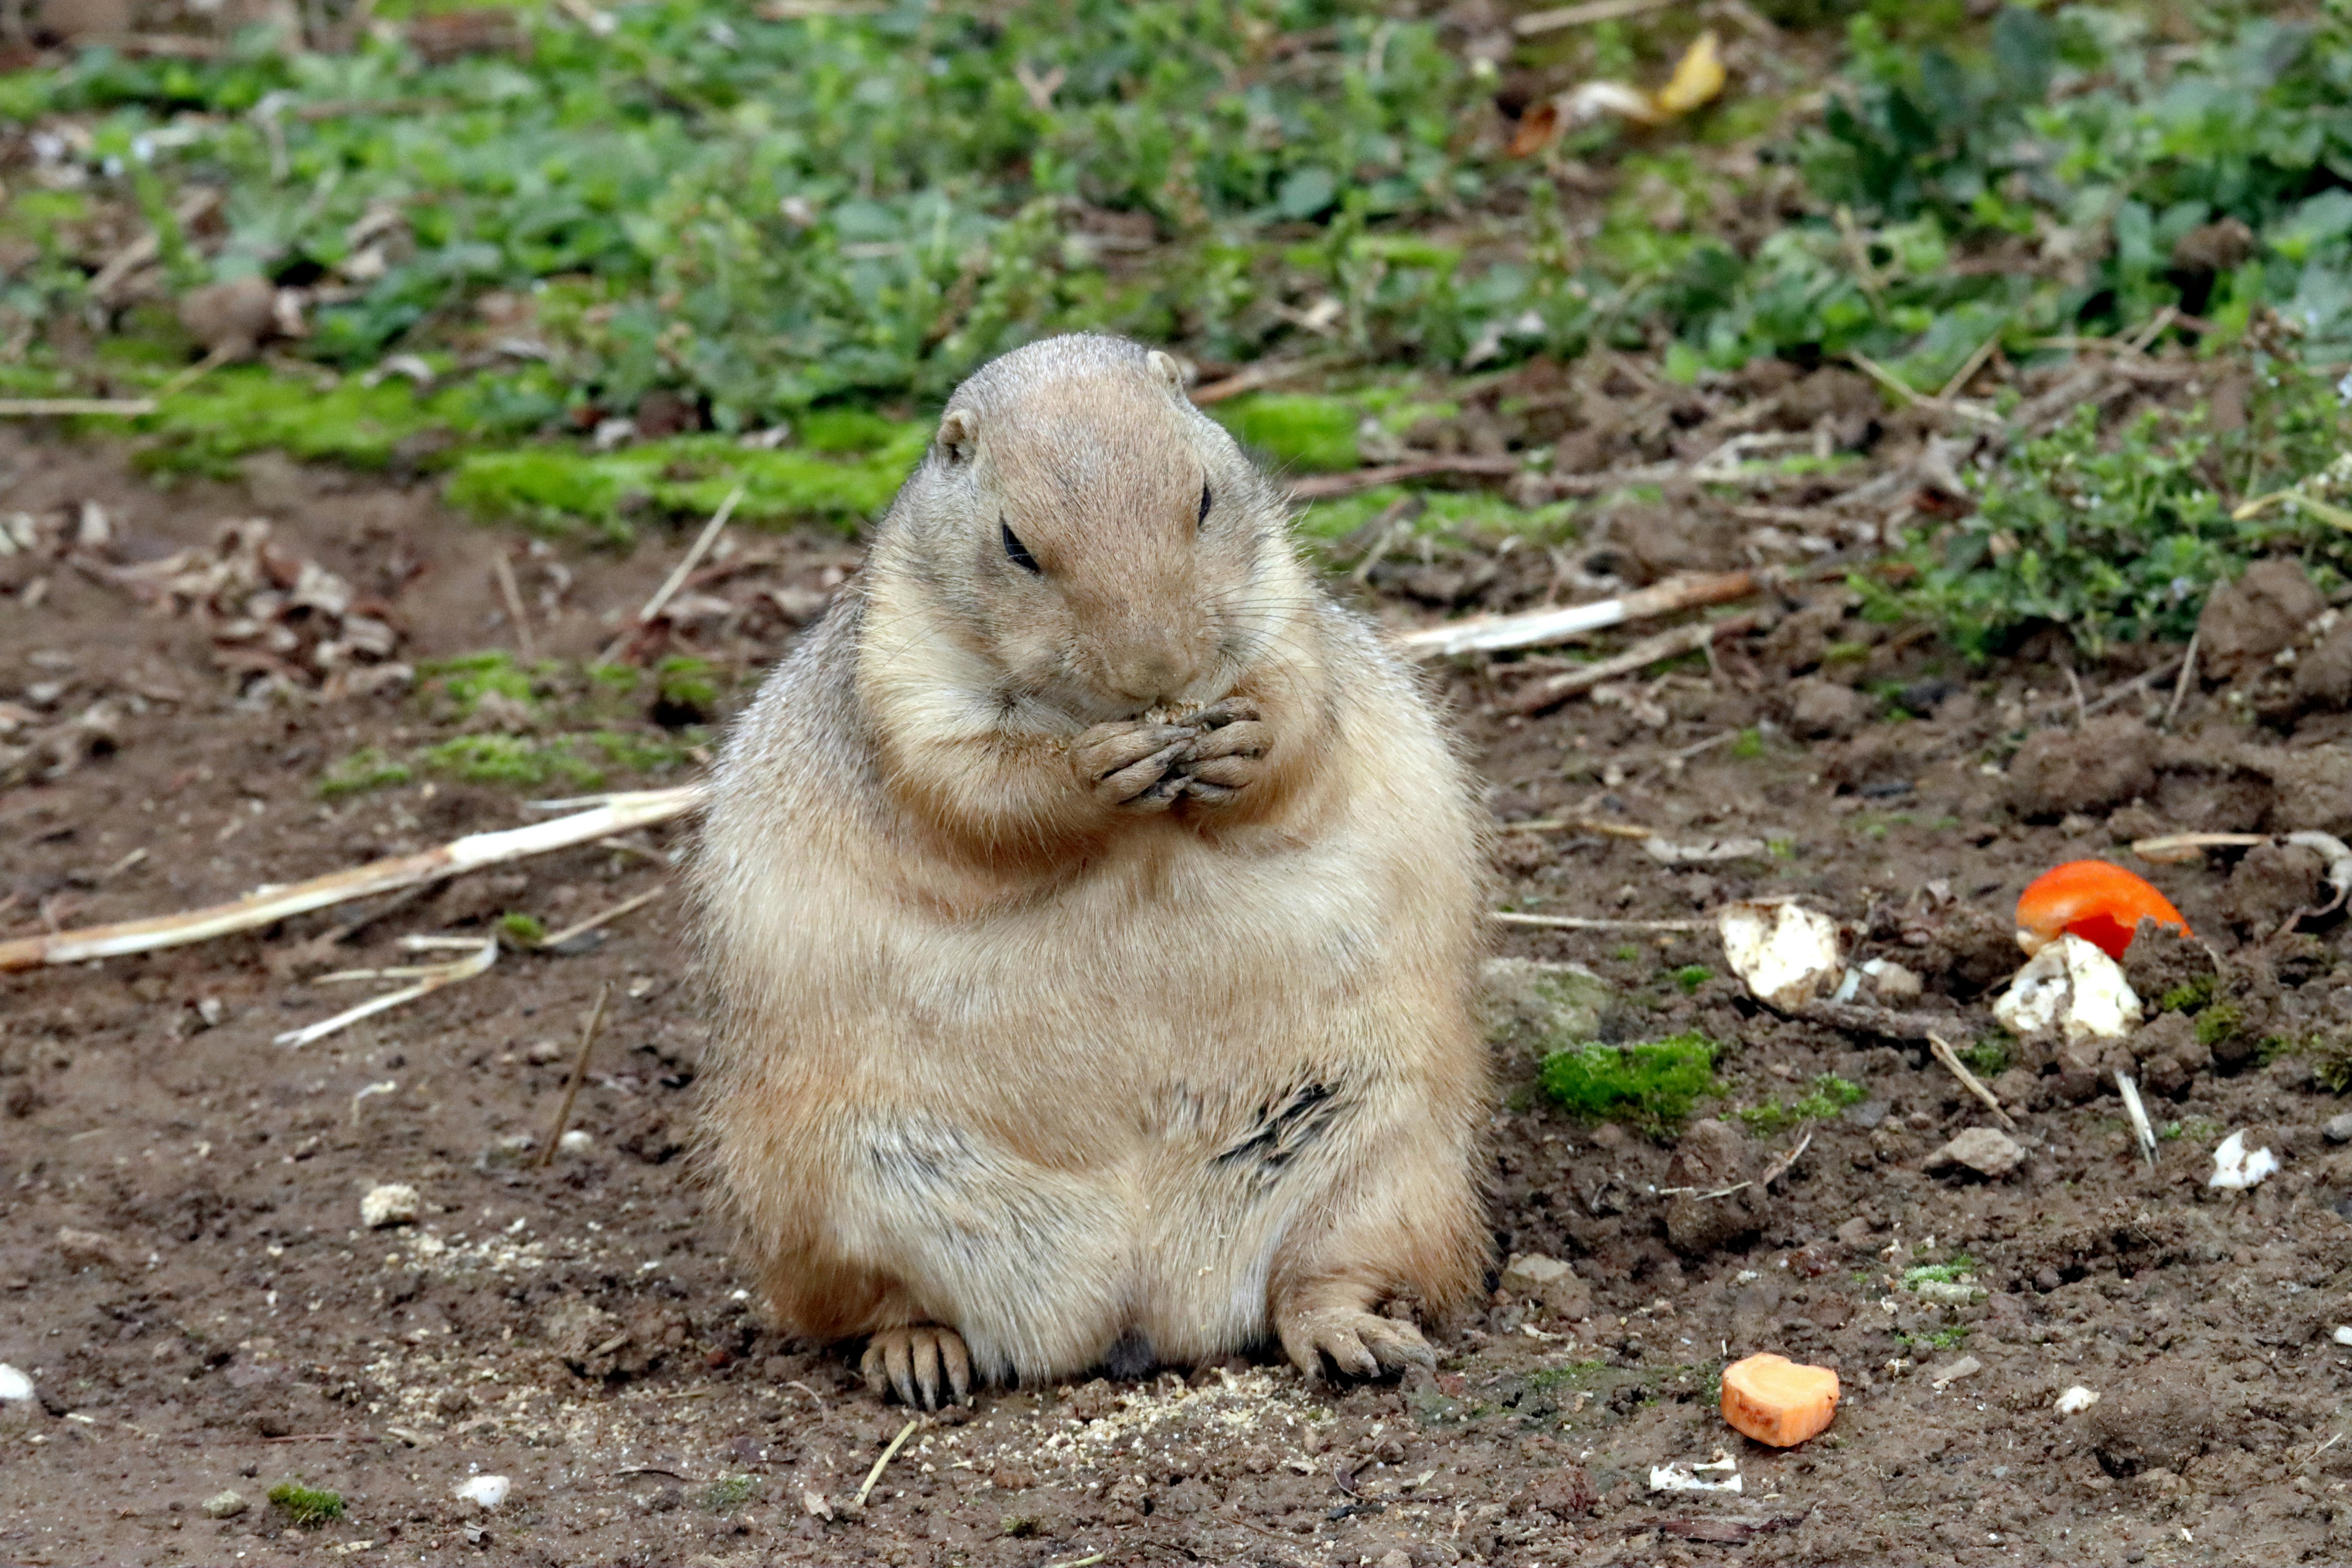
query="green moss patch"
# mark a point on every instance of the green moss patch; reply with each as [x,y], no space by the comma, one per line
[1651,1085]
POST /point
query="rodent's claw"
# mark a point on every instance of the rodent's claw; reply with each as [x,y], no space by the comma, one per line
[1227,760]
[1359,1343]
[1218,715]
[1123,763]
[913,1358]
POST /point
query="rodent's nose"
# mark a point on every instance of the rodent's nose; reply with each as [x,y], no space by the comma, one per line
[1149,668]
[1147,674]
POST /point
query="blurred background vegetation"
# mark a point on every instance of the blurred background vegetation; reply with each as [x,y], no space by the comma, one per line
[605,264]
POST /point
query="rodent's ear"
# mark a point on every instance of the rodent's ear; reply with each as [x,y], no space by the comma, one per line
[958,435]
[1165,367]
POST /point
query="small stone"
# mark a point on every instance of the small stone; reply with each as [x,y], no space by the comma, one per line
[1551,1282]
[226,1505]
[574,1142]
[489,1492]
[542,1052]
[1990,1153]
[2237,1167]
[2343,1334]
[2339,1128]
[87,1248]
[2076,1398]
[394,1203]
[1892,980]
[1952,1372]
[15,1387]
[2072,989]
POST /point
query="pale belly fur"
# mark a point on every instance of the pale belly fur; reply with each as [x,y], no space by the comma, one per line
[1193,1069]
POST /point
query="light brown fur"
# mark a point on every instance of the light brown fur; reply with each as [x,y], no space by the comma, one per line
[1094,946]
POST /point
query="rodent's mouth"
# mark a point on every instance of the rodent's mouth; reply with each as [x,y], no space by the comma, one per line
[1083,707]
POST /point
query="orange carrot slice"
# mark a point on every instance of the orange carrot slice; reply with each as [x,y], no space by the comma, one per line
[1778,1401]
[2101,903]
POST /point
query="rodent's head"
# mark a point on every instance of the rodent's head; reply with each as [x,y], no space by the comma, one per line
[1097,543]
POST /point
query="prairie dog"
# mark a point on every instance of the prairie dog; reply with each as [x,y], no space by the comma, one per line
[1092,908]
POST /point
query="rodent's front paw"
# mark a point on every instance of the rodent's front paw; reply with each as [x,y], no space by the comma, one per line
[1230,755]
[1128,762]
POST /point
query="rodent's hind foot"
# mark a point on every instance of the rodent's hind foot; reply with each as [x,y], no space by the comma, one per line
[911,1359]
[1359,1343]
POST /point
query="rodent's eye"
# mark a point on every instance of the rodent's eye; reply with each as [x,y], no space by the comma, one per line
[1206,501]
[1018,552]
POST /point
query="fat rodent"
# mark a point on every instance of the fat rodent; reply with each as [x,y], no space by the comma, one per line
[1092,910]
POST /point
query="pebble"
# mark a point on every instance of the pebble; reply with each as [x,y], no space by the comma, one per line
[1952,1372]
[2076,1398]
[226,1505]
[2072,988]
[1787,954]
[2339,1129]
[574,1142]
[2343,1334]
[1549,1282]
[2236,1167]
[394,1203]
[15,1385]
[488,1491]
[1988,1152]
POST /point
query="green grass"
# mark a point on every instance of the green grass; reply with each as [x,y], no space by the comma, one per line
[1985,1058]
[1651,1085]
[561,489]
[1951,1337]
[469,677]
[523,929]
[729,1493]
[305,1507]
[1945,1273]
[686,686]
[1567,1376]
[2218,1023]
[2190,996]
[1830,1094]
[1294,431]
[1690,977]
[241,410]
[514,761]
[368,768]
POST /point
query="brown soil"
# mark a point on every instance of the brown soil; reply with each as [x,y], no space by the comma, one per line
[185,1278]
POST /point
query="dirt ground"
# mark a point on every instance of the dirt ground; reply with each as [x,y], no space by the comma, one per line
[185,1278]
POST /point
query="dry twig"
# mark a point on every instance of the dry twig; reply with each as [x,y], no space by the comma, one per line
[1552,21]
[60,407]
[2141,1131]
[481,953]
[578,1071]
[615,913]
[1581,923]
[875,1474]
[1315,486]
[1968,1080]
[1554,689]
[619,814]
[678,573]
[1535,628]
